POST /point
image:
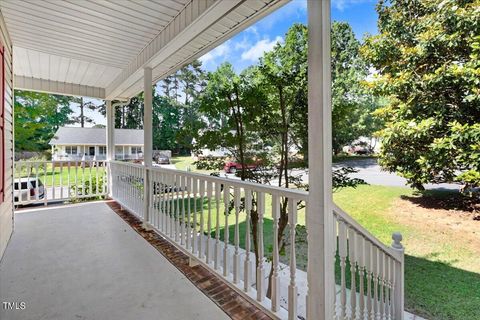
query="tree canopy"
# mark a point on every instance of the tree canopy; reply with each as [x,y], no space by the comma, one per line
[427,59]
[37,118]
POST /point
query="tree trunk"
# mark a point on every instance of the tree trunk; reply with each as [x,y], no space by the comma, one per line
[82,117]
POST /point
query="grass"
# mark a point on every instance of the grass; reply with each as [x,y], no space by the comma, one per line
[60,176]
[441,279]
[186,163]
[442,271]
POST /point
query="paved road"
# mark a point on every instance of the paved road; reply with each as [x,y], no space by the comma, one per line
[370,171]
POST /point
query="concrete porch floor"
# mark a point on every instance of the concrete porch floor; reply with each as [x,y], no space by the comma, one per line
[84,262]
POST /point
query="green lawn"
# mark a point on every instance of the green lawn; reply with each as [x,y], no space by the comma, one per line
[60,175]
[441,277]
[186,163]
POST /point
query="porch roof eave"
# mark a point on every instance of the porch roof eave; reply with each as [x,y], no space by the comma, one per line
[113,68]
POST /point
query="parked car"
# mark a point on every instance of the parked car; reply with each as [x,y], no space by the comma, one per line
[161,159]
[24,187]
[361,150]
[233,167]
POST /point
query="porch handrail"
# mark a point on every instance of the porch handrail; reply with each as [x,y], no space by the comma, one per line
[350,221]
[297,194]
[378,268]
[180,207]
[44,181]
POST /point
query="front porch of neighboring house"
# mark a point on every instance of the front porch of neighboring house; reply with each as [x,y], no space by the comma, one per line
[101,268]
[95,152]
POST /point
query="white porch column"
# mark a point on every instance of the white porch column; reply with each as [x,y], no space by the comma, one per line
[147,118]
[321,278]
[147,141]
[110,141]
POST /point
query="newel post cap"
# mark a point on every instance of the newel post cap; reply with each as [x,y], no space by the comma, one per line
[397,239]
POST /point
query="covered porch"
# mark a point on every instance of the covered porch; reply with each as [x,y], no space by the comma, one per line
[189,210]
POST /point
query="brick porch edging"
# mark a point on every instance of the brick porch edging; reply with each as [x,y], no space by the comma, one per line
[232,303]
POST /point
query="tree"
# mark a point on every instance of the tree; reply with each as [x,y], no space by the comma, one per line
[230,104]
[352,102]
[37,117]
[166,123]
[427,58]
[283,71]
[82,118]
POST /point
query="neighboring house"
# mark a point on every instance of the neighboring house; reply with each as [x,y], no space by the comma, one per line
[75,144]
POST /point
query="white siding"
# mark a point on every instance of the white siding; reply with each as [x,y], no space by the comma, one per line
[6,208]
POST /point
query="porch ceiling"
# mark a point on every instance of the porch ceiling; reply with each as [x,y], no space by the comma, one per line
[99,48]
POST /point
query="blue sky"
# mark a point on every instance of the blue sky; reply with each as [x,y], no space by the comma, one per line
[246,47]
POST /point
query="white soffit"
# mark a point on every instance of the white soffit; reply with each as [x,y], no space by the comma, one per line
[196,30]
[100,47]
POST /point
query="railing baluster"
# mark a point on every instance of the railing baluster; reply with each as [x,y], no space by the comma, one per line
[161,204]
[218,197]
[61,179]
[260,266]
[53,180]
[202,220]
[292,287]
[29,169]
[226,202]
[172,206]
[275,277]
[209,221]
[37,183]
[83,178]
[97,186]
[68,179]
[342,252]
[375,281]
[167,204]
[236,239]
[183,186]
[248,211]
[189,205]
[177,208]
[353,272]
[360,254]
[194,239]
[76,179]
[90,187]
[390,289]
[45,188]
[381,272]
[368,266]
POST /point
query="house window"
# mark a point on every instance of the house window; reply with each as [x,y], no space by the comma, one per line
[102,150]
[2,123]
[71,150]
[136,150]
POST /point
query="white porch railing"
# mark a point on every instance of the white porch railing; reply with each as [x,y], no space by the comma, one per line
[48,181]
[210,219]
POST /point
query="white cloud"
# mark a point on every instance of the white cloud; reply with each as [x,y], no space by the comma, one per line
[221,51]
[257,50]
[253,29]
